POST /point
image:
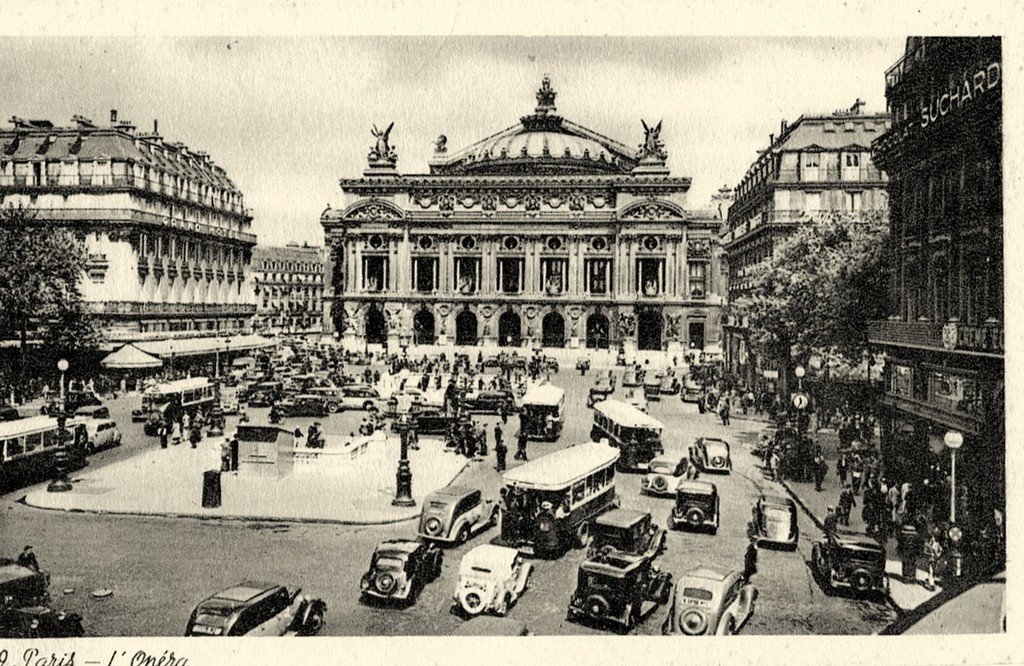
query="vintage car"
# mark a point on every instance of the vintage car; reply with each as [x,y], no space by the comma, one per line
[430,421]
[652,387]
[776,521]
[264,394]
[612,586]
[257,609]
[491,578]
[93,412]
[627,531]
[359,397]
[663,475]
[852,561]
[489,401]
[669,385]
[601,390]
[454,513]
[548,364]
[489,625]
[9,413]
[400,569]
[633,378]
[303,405]
[541,414]
[691,391]
[103,433]
[696,506]
[711,454]
[25,612]
[710,601]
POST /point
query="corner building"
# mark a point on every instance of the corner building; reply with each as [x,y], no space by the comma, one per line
[944,336]
[545,233]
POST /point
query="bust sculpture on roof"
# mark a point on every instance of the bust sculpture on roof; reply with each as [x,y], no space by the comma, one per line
[383,151]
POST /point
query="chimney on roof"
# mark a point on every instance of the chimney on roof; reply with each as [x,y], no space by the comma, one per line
[784,127]
[156,127]
[113,116]
[771,140]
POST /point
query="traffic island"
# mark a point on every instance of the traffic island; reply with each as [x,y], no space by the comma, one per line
[349,481]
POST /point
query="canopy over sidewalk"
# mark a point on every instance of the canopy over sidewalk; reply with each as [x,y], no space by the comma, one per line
[130,357]
[200,346]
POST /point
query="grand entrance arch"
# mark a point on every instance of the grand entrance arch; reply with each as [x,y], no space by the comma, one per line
[423,328]
[465,329]
[597,331]
[553,330]
[376,327]
[510,330]
[649,329]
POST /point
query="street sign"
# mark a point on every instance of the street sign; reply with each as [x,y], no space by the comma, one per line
[800,400]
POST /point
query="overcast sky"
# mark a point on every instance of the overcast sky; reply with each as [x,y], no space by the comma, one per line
[288,117]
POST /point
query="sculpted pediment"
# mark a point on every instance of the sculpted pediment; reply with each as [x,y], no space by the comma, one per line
[373,210]
[652,210]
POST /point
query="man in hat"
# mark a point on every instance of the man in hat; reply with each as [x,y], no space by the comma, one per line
[500,450]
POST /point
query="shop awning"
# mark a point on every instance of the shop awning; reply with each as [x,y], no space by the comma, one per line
[130,357]
[202,346]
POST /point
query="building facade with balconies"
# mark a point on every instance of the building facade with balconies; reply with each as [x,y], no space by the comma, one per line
[944,339]
[289,286]
[820,165]
[166,230]
[546,233]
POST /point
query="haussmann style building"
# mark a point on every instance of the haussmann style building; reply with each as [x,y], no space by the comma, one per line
[167,231]
[289,286]
[944,379]
[545,233]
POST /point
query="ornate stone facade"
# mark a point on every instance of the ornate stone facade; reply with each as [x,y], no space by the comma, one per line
[546,233]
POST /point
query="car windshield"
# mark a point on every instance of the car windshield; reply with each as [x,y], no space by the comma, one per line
[610,536]
[697,593]
[776,514]
[662,467]
[864,556]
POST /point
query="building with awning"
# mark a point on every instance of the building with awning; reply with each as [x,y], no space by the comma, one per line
[177,348]
[130,357]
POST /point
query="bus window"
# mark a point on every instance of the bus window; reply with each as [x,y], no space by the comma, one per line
[592,483]
[12,447]
[51,438]
[33,441]
[578,491]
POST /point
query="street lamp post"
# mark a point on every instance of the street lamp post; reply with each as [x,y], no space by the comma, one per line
[953,441]
[60,482]
[403,478]
[800,371]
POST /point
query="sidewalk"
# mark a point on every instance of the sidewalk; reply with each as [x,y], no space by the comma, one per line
[906,596]
[170,482]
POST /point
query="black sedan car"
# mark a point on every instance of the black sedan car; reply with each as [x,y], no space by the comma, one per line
[303,405]
[400,569]
[489,402]
[854,562]
[257,609]
[39,622]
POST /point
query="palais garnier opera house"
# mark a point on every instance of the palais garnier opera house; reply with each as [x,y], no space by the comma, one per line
[543,234]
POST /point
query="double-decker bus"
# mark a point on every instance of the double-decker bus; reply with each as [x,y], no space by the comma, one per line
[28,447]
[171,399]
[548,504]
[636,434]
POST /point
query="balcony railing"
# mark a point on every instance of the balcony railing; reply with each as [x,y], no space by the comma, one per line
[987,338]
[135,308]
[126,215]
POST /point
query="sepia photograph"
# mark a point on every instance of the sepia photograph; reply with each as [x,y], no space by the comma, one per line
[455,335]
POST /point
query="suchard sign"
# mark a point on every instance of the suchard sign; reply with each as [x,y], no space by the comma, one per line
[961,93]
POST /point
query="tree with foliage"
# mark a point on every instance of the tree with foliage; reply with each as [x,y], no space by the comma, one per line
[818,291]
[40,269]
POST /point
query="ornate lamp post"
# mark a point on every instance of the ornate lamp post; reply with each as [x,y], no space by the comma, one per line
[800,371]
[953,441]
[403,478]
[60,482]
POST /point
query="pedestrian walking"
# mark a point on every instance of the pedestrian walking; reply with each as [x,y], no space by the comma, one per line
[163,434]
[932,553]
[776,461]
[413,440]
[195,435]
[846,504]
[500,450]
[723,411]
[856,474]
[28,559]
[750,561]
[831,521]
[521,446]
[820,470]
[842,467]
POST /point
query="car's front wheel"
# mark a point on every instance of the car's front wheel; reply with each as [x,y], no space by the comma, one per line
[332,407]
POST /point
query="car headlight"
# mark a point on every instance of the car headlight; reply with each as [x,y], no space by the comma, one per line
[433,526]
[35,623]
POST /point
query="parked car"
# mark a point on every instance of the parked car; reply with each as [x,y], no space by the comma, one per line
[776,521]
[669,385]
[430,421]
[257,609]
[491,578]
[663,475]
[852,561]
[9,413]
[627,531]
[691,391]
[652,387]
[633,378]
[549,364]
[359,397]
[26,612]
[455,513]
[711,454]
[602,388]
[303,405]
[490,402]
[103,434]
[696,506]
[489,625]
[93,412]
[264,394]
[612,586]
[710,601]
[400,569]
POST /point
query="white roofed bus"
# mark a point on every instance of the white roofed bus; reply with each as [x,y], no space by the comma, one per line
[547,504]
[29,446]
[636,434]
[541,416]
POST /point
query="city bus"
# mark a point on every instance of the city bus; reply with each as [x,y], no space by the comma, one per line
[547,504]
[539,403]
[636,434]
[169,400]
[28,447]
